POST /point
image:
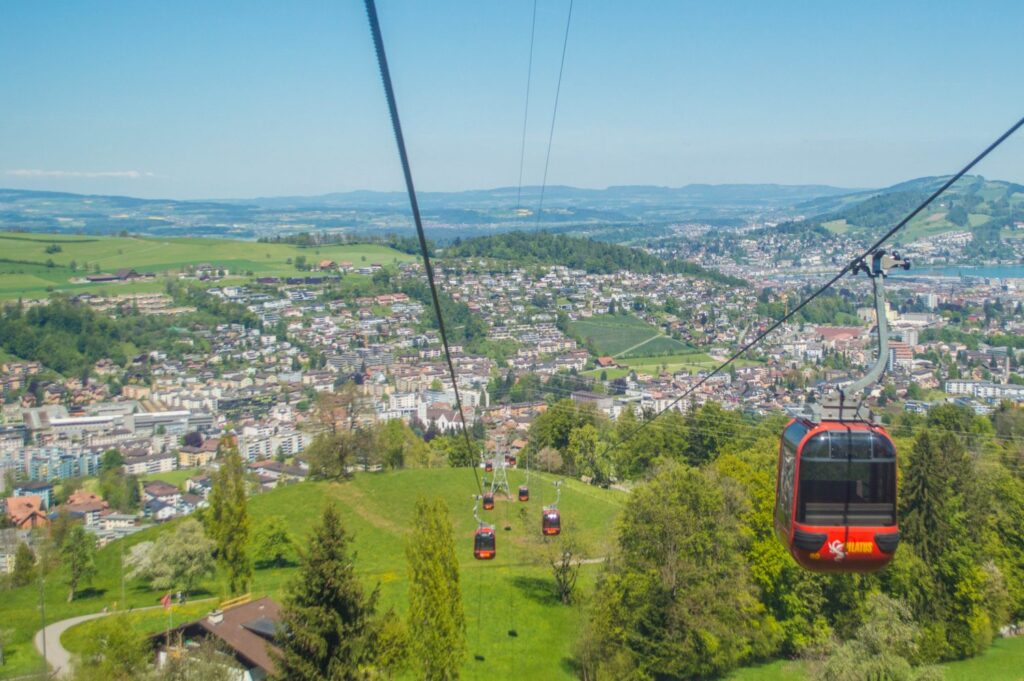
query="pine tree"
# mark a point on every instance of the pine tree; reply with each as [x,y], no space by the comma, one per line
[228,521]
[924,518]
[437,624]
[327,628]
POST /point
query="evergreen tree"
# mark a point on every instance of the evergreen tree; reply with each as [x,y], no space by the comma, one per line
[940,507]
[437,624]
[327,630]
[924,515]
[228,521]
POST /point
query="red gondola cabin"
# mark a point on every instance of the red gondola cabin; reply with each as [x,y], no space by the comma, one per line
[488,467]
[488,501]
[524,493]
[551,522]
[835,496]
[484,544]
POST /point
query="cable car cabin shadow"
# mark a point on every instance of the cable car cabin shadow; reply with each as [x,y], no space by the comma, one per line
[835,499]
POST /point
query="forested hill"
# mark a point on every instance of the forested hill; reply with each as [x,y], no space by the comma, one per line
[988,208]
[595,257]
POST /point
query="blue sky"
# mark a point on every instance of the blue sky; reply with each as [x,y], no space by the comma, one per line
[237,99]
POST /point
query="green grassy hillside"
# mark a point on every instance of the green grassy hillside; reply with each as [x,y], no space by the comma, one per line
[511,593]
[988,208]
[624,336]
[24,268]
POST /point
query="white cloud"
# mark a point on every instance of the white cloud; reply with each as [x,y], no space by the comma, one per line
[120,174]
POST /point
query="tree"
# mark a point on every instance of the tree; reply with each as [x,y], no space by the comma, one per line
[328,455]
[206,660]
[925,498]
[437,624]
[710,429]
[178,562]
[114,651]
[392,646]
[327,629]
[228,520]
[564,558]
[272,543]
[886,646]
[677,604]
[68,486]
[959,601]
[79,556]
[24,565]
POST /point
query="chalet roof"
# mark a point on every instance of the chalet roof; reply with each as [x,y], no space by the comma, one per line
[248,630]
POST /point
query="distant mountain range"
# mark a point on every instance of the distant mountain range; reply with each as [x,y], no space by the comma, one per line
[467,213]
[624,214]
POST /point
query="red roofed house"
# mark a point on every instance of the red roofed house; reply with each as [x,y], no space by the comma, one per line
[26,512]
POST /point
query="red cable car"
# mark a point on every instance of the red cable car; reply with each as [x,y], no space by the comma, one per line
[835,496]
[512,461]
[488,466]
[524,493]
[488,501]
[484,544]
[551,522]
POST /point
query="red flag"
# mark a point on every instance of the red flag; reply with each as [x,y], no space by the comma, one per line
[166,602]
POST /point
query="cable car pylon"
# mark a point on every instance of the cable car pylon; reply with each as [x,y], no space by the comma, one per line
[499,482]
[551,520]
[835,495]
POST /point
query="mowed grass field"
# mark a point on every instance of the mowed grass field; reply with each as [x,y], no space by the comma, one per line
[511,593]
[623,335]
[693,362]
[24,270]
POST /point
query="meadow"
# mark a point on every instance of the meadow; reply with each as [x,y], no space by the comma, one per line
[694,362]
[24,268]
[513,593]
[623,335]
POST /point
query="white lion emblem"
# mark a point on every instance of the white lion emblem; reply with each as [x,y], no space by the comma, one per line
[838,549]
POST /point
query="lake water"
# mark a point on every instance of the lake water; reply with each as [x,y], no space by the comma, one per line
[988,271]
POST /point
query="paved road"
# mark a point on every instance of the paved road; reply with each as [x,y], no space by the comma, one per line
[56,655]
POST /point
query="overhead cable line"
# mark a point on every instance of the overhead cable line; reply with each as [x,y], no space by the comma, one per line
[554,115]
[847,268]
[385,74]
[526,108]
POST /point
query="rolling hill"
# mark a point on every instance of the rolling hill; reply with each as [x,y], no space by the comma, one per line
[510,593]
[988,208]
